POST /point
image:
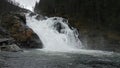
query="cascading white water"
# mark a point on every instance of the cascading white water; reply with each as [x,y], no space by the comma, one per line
[55,33]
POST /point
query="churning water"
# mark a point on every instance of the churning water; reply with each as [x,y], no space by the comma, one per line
[55,33]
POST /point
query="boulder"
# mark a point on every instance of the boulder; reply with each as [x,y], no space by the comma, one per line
[7,44]
[6,41]
[15,25]
[10,48]
[34,42]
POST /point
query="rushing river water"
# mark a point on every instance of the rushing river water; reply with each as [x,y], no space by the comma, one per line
[44,59]
[55,33]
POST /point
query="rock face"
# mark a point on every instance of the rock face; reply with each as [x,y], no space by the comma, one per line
[10,48]
[6,41]
[15,26]
[97,21]
[7,44]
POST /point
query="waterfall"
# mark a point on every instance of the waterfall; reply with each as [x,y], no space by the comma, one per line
[55,33]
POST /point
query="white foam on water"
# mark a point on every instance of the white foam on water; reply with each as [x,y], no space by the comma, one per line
[53,40]
[66,41]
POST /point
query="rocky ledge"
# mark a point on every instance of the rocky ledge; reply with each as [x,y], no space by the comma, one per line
[13,25]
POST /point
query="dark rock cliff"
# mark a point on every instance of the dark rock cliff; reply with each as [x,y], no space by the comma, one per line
[14,25]
[98,21]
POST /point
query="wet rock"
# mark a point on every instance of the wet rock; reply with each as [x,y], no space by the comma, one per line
[6,41]
[15,25]
[32,14]
[11,48]
[7,44]
[59,27]
[22,17]
[40,17]
[34,42]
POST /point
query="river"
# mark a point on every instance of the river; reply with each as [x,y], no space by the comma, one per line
[46,59]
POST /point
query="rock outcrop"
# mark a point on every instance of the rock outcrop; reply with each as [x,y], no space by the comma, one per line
[10,48]
[8,44]
[14,24]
